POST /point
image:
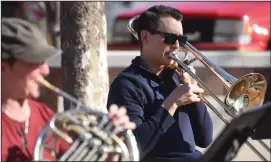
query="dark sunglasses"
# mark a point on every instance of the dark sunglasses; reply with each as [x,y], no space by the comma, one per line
[170,38]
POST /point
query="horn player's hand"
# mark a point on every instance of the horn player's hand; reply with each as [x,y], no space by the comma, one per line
[120,118]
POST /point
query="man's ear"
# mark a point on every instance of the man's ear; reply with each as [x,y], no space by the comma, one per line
[144,36]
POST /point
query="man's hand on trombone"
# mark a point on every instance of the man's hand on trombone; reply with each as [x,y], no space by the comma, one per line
[186,93]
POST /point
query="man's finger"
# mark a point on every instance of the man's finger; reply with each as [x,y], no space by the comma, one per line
[121,121]
[112,110]
[196,89]
[194,99]
[185,77]
[121,112]
[130,125]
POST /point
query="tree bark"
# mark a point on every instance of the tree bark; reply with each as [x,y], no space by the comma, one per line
[84,62]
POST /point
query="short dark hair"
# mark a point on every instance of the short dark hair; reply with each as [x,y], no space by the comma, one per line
[149,19]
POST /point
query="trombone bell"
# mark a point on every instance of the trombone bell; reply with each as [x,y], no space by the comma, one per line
[246,93]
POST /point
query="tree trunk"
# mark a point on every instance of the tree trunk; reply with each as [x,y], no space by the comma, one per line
[84,62]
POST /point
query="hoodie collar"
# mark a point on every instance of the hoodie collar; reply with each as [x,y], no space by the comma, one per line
[140,64]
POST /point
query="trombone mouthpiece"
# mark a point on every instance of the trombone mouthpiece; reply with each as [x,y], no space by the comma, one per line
[43,82]
[173,66]
[46,84]
[174,56]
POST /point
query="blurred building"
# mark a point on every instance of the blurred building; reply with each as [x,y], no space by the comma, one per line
[113,8]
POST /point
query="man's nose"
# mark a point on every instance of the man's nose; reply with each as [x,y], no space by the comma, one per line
[44,69]
[176,45]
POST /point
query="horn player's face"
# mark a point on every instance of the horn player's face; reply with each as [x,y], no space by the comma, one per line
[23,77]
[158,50]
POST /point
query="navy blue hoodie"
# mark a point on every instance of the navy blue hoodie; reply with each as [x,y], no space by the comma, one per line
[160,136]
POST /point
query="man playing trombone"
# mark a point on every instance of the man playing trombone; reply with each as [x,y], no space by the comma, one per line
[170,117]
[24,55]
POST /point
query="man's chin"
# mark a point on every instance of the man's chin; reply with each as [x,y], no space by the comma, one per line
[35,95]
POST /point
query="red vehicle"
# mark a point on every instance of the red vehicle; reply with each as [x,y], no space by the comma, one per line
[243,26]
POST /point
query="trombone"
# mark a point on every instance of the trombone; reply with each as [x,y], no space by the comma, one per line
[242,94]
